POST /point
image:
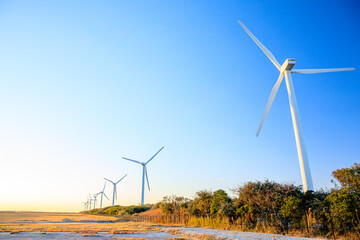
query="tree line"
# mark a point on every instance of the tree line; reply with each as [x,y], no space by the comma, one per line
[268,206]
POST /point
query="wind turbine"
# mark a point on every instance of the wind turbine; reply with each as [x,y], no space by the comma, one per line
[90,201]
[144,173]
[85,205]
[102,194]
[95,196]
[114,192]
[286,70]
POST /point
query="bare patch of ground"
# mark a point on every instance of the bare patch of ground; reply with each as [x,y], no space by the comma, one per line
[151,213]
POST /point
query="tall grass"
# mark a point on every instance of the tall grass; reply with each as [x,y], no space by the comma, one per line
[226,223]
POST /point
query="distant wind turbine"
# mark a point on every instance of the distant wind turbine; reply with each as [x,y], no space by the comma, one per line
[88,204]
[286,70]
[95,196]
[85,205]
[144,173]
[90,201]
[102,194]
[114,191]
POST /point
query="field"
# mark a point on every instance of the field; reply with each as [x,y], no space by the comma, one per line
[9,217]
[38,225]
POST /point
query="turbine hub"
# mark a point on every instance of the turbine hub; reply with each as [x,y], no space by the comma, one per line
[288,64]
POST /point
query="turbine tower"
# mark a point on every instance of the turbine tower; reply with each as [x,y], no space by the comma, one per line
[87,204]
[95,196]
[285,70]
[144,173]
[102,194]
[114,191]
[90,201]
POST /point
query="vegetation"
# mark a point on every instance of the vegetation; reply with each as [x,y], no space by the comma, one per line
[120,210]
[266,206]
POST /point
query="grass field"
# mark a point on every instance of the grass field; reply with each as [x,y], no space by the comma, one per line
[11,217]
[42,225]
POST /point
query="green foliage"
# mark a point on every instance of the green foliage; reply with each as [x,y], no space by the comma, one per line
[221,204]
[131,210]
[96,211]
[291,212]
[261,202]
[268,207]
[201,204]
[112,210]
[349,179]
[343,203]
[343,209]
[120,210]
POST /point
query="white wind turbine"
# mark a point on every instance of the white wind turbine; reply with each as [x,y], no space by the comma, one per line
[85,205]
[102,194]
[144,173]
[95,196]
[286,70]
[114,191]
[90,201]
[88,204]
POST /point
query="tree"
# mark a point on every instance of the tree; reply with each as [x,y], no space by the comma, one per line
[174,205]
[261,202]
[200,206]
[291,212]
[344,201]
[349,179]
[221,204]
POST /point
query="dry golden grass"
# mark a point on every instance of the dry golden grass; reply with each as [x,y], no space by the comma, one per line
[8,217]
[175,231]
[120,227]
[130,238]
[13,222]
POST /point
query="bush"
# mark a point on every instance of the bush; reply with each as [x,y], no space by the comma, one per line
[136,209]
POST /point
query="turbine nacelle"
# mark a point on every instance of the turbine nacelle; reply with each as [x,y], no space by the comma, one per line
[288,64]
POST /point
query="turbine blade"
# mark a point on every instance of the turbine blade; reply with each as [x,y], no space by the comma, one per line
[109,180]
[132,160]
[106,196]
[104,187]
[326,70]
[147,179]
[261,46]
[270,101]
[154,155]
[121,179]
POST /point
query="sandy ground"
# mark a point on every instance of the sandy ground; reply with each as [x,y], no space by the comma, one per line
[64,226]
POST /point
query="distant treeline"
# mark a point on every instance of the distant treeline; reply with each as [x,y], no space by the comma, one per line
[272,207]
[128,211]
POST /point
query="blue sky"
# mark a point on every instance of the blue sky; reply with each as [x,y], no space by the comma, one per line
[83,83]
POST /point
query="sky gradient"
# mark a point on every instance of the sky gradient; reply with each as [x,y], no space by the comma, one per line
[84,83]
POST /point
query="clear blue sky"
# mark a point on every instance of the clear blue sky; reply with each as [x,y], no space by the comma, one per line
[83,83]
